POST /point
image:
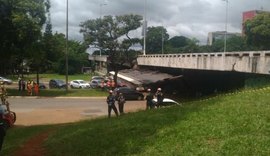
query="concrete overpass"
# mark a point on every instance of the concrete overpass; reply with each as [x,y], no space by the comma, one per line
[203,73]
[247,62]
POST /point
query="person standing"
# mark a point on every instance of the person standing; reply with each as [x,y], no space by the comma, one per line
[160,97]
[29,87]
[149,99]
[36,89]
[23,85]
[111,104]
[2,131]
[121,101]
[20,83]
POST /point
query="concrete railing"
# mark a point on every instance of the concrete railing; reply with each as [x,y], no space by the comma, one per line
[249,62]
[102,58]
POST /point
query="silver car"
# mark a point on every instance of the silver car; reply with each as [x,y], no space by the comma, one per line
[5,80]
[79,84]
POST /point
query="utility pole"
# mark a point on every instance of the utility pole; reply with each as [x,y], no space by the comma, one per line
[144,29]
[226,23]
[67,48]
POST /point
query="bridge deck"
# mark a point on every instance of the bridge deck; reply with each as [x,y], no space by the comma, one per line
[250,62]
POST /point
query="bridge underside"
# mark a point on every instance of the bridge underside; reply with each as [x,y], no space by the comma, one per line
[188,82]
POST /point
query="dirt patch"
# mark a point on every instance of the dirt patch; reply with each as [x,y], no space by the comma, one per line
[34,146]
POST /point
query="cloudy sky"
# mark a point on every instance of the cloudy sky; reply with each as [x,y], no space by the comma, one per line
[190,18]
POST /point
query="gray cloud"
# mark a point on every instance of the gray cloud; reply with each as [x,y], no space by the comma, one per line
[191,18]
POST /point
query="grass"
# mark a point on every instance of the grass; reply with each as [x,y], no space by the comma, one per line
[62,92]
[229,124]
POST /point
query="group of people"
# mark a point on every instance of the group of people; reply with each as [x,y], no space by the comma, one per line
[31,86]
[111,99]
[3,95]
[150,104]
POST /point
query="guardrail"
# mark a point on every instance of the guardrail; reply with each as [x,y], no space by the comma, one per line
[250,62]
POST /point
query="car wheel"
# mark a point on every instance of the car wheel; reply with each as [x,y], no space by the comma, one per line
[71,86]
[140,98]
[80,87]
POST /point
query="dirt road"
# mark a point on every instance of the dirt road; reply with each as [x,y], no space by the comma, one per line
[38,111]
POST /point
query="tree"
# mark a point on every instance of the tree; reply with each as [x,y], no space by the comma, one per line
[177,44]
[21,23]
[112,34]
[192,46]
[257,31]
[154,39]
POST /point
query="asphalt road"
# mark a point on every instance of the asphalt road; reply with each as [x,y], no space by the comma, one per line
[39,110]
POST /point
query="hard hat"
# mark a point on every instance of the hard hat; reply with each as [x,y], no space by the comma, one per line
[110,91]
[149,90]
[159,89]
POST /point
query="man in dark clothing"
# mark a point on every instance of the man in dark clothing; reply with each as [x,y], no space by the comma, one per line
[160,97]
[111,104]
[2,131]
[121,101]
[149,100]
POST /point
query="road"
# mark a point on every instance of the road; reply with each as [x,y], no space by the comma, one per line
[41,110]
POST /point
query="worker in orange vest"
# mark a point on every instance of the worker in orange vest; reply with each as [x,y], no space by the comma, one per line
[36,89]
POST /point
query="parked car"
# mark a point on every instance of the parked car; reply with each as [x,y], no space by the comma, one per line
[55,83]
[167,102]
[79,84]
[5,80]
[129,93]
[101,78]
[95,83]
[120,83]
[41,85]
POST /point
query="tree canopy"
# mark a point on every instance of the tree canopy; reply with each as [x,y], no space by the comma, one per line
[21,23]
[257,31]
[112,34]
[154,38]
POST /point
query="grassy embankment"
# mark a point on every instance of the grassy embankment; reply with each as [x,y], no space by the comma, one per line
[231,124]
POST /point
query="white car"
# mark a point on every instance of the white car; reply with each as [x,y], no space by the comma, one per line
[79,84]
[5,80]
[167,102]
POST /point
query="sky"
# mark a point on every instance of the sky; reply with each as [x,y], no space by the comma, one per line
[190,18]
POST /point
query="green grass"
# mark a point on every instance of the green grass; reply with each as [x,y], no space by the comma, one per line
[230,124]
[62,92]
[17,136]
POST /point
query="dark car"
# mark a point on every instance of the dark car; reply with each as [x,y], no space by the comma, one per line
[41,85]
[129,93]
[95,83]
[55,83]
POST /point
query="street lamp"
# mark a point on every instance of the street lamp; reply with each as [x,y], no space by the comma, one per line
[100,9]
[67,48]
[225,40]
[144,29]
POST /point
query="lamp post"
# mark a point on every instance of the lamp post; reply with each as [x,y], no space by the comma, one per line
[100,9]
[144,29]
[226,21]
[67,48]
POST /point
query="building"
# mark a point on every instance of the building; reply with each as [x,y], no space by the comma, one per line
[249,15]
[219,35]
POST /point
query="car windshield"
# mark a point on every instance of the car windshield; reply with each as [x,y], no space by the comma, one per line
[60,81]
[81,81]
